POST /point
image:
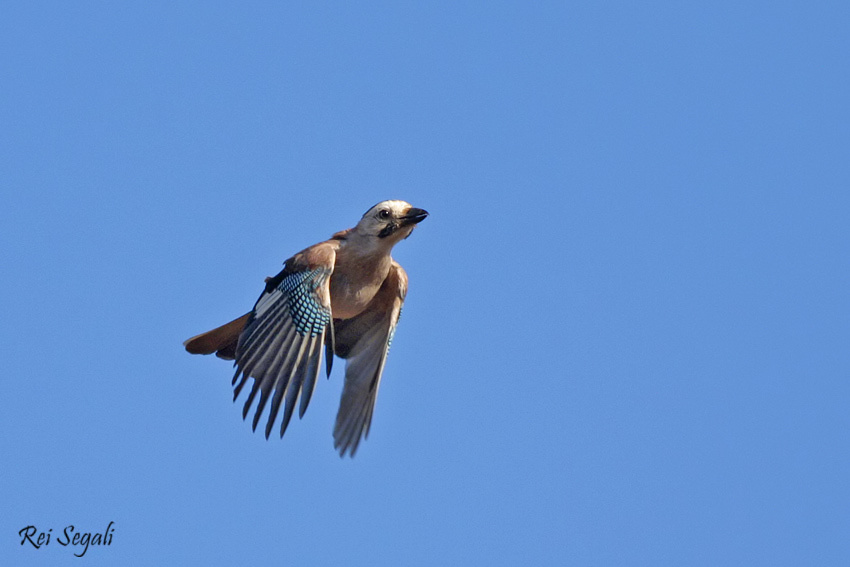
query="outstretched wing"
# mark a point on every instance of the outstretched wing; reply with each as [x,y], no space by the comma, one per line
[364,342]
[281,345]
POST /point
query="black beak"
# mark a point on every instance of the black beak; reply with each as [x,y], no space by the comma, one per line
[413,216]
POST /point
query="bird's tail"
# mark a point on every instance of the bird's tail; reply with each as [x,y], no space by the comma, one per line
[222,340]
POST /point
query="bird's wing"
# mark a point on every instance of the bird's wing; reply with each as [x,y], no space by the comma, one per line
[281,345]
[364,342]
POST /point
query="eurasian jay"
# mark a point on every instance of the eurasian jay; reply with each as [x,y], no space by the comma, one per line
[344,294]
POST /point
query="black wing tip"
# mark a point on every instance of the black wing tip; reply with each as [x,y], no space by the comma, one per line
[345,449]
[330,346]
[347,443]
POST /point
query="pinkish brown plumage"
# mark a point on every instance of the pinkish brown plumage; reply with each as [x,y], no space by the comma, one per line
[342,296]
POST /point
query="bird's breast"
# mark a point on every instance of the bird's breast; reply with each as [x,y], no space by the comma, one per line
[353,286]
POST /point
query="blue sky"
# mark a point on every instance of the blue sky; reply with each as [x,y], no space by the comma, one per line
[626,336]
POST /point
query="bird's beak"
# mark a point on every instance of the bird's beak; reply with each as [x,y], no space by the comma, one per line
[413,216]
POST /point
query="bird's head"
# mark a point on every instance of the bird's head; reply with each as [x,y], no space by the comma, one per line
[390,221]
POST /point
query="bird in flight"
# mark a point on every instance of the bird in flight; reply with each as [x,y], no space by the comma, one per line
[343,296]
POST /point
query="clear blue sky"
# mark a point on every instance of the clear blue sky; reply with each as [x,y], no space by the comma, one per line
[627,336]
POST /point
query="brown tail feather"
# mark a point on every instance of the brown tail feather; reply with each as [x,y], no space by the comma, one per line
[221,340]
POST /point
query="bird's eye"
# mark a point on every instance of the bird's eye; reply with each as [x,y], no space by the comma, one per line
[383,214]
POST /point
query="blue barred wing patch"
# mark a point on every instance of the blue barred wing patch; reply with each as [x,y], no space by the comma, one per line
[308,314]
[392,331]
